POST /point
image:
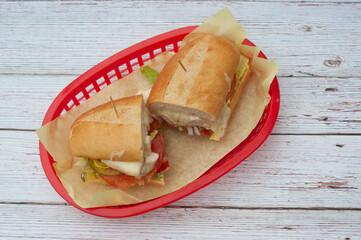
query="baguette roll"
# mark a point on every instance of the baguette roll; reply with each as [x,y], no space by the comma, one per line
[101,134]
[199,92]
[203,94]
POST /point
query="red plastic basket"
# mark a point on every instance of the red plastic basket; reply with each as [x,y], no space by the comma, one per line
[120,65]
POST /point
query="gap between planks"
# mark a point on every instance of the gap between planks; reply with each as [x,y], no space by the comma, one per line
[210,207]
[73,2]
[307,75]
[275,134]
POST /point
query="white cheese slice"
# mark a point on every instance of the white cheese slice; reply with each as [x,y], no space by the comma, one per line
[178,118]
[219,126]
[129,168]
[149,163]
[229,81]
[196,131]
[116,154]
[135,169]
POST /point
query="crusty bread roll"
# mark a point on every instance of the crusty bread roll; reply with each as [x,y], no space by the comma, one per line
[190,37]
[198,94]
[244,61]
[201,90]
[101,134]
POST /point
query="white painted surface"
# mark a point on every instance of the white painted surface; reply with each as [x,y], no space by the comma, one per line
[68,38]
[65,222]
[287,171]
[303,183]
[308,104]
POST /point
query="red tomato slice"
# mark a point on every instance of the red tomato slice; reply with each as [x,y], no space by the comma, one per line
[158,147]
[123,181]
[206,132]
[155,125]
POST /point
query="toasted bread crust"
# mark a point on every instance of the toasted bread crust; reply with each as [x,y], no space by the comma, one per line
[209,60]
[190,37]
[210,90]
[161,84]
[123,105]
[100,134]
[99,140]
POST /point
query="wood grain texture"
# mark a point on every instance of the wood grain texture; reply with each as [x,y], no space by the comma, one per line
[42,222]
[308,105]
[303,183]
[287,171]
[305,39]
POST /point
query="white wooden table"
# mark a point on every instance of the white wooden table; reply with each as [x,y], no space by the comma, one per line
[303,183]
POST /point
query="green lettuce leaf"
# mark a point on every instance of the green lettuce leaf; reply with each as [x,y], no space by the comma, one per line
[150,73]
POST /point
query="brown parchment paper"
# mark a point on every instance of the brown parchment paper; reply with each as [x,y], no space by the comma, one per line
[189,156]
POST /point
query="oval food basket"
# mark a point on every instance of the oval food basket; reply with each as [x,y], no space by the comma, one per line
[115,68]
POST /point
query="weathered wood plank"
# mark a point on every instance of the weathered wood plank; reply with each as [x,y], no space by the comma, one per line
[68,38]
[287,171]
[308,105]
[45,45]
[43,222]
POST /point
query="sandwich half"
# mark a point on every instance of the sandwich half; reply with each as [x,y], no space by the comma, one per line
[199,87]
[122,147]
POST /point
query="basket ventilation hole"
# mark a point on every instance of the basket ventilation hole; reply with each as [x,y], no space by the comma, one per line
[169,48]
[125,73]
[157,51]
[134,64]
[101,84]
[112,76]
[70,104]
[80,97]
[90,90]
[122,67]
[146,57]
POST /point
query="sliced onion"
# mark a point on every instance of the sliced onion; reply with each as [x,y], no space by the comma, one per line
[196,131]
[190,131]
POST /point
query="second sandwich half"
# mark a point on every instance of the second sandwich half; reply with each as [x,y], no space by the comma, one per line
[199,87]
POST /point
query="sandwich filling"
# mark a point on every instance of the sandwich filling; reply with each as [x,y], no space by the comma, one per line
[123,175]
[137,169]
